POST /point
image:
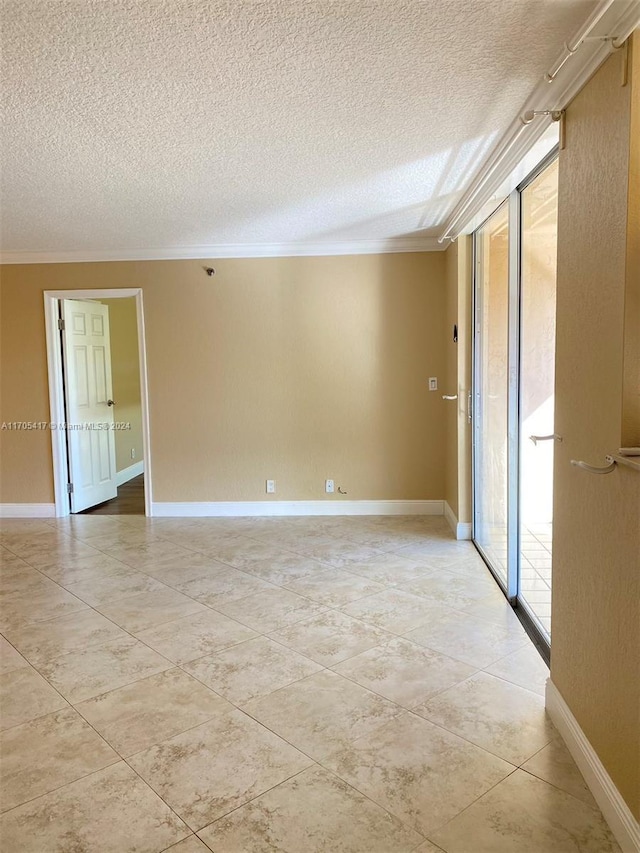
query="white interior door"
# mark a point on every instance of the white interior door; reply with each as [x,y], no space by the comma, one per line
[89,403]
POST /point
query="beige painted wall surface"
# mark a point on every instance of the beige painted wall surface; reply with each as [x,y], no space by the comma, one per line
[25,456]
[125,372]
[631,401]
[595,659]
[293,369]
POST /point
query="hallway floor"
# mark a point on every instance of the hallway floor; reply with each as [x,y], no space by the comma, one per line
[130,500]
[353,685]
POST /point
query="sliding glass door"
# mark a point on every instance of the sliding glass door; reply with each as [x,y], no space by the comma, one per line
[514,351]
[491,390]
[539,206]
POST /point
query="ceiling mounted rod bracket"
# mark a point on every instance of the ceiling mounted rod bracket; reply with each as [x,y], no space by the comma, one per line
[446,237]
[571,46]
[611,39]
[617,20]
[568,52]
[529,116]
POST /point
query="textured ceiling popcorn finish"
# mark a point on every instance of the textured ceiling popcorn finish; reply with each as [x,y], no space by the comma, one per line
[137,125]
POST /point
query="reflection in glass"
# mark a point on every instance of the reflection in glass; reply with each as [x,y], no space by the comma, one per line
[492,348]
[539,204]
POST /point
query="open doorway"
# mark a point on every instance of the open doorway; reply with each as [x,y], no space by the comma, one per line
[98,392]
[126,403]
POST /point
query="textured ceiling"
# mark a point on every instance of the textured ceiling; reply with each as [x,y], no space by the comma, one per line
[142,124]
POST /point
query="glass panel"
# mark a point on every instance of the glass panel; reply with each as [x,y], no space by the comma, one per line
[491,390]
[539,205]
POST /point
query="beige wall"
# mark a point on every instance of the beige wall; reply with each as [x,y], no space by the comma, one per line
[295,369]
[458,377]
[631,401]
[125,372]
[595,659]
[25,456]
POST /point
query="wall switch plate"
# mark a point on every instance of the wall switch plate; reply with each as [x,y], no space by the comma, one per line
[328,487]
[133,453]
[271,487]
[433,383]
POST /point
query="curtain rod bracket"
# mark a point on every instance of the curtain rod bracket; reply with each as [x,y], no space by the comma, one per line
[530,115]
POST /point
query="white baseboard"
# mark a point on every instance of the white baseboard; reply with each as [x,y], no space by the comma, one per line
[129,473]
[616,812]
[27,510]
[450,516]
[328,507]
[460,529]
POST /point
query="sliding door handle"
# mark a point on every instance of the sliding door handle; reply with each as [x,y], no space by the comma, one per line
[611,466]
[536,438]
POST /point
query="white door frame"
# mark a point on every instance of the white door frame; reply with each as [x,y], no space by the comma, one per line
[56,389]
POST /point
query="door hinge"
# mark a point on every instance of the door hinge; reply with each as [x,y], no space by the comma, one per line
[70,488]
[61,324]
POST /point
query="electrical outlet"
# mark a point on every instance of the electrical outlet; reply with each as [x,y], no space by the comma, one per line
[328,487]
[133,453]
[433,383]
[271,487]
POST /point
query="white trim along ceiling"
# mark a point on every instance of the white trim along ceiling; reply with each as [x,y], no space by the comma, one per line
[169,129]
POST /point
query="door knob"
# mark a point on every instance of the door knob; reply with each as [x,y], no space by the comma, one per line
[111,402]
[449,396]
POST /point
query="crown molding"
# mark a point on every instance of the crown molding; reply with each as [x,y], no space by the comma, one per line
[519,137]
[230,250]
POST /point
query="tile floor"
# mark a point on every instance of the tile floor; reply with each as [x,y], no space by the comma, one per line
[535,561]
[352,685]
[535,565]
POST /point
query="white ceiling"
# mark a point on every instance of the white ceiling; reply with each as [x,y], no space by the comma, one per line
[144,125]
